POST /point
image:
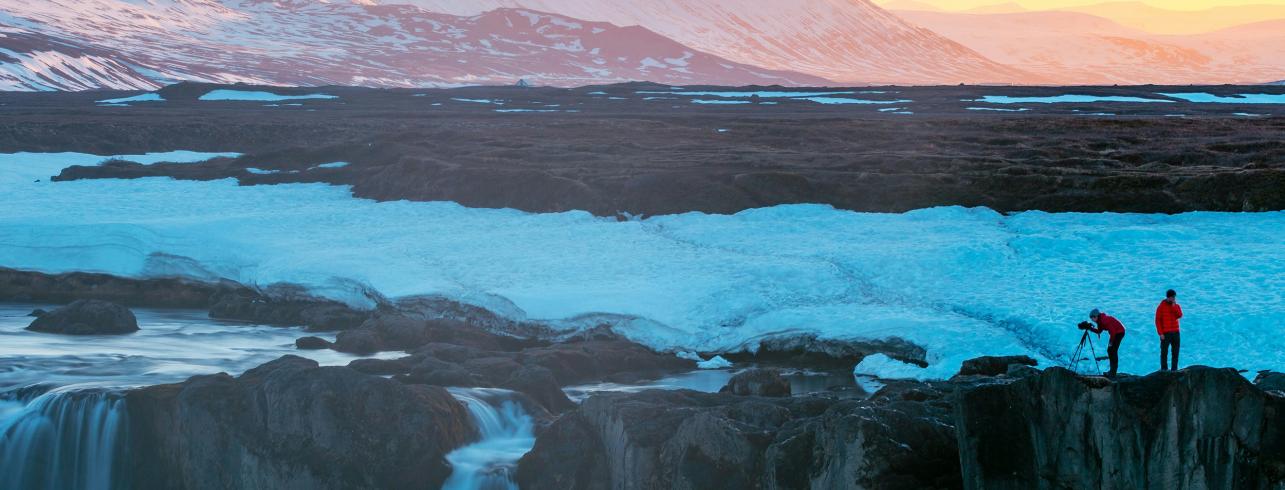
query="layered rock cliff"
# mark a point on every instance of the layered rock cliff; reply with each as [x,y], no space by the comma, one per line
[292,424]
[1199,428]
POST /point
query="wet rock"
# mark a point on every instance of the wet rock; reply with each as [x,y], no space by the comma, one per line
[311,343]
[360,341]
[1270,381]
[758,382]
[576,362]
[383,367]
[393,331]
[291,424]
[1195,428]
[87,317]
[37,313]
[539,383]
[808,350]
[287,307]
[993,365]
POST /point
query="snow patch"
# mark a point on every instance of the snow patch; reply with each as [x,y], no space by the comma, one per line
[884,367]
[148,97]
[1062,99]
[1207,98]
[257,96]
[716,362]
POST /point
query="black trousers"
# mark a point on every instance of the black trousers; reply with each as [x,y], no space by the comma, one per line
[1171,339]
[1113,351]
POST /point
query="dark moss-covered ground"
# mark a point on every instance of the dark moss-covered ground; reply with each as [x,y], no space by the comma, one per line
[609,149]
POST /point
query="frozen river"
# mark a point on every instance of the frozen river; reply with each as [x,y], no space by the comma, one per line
[960,282]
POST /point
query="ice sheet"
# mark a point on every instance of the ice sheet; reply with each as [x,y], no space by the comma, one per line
[960,282]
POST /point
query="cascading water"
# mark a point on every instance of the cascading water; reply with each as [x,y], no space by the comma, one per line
[507,433]
[63,439]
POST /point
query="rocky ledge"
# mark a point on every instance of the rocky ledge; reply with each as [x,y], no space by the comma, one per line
[292,424]
[1195,428]
[901,437]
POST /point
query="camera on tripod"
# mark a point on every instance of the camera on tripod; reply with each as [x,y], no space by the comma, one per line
[1085,325]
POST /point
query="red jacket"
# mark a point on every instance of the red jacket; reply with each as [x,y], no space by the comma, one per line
[1110,324]
[1167,316]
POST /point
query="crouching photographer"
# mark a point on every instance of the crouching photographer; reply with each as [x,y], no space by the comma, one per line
[1112,326]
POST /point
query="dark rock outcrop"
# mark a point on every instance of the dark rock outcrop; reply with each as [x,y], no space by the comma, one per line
[689,440]
[285,309]
[454,353]
[808,350]
[394,331]
[993,365]
[291,424]
[87,317]
[1270,381]
[1196,428]
[283,305]
[36,313]
[16,285]
[757,382]
[311,343]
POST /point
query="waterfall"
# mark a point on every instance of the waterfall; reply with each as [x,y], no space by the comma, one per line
[63,439]
[507,432]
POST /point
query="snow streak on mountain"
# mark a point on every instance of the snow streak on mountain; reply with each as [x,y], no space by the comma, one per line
[81,44]
[851,41]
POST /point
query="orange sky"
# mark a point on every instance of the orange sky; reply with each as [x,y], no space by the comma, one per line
[1176,17]
[1053,4]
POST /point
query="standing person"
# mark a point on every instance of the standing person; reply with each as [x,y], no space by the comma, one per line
[1167,315]
[1109,324]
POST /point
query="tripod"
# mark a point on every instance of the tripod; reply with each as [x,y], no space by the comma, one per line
[1077,356]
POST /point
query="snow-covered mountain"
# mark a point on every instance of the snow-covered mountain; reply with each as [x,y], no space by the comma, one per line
[79,44]
[1077,48]
[842,40]
[34,61]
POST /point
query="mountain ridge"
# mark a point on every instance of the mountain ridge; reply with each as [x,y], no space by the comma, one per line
[348,43]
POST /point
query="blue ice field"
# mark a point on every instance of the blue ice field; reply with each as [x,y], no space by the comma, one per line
[960,282]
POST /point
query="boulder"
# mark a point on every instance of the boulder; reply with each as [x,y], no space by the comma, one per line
[311,343]
[758,382]
[1195,428]
[993,365]
[359,341]
[292,424]
[87,317]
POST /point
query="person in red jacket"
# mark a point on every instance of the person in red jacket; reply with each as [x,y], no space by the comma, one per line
[1167,316]
[1109,324]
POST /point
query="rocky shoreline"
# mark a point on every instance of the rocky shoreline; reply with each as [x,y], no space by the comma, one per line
[389,423]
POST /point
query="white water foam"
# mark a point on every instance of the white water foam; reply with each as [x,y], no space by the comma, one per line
[506,433]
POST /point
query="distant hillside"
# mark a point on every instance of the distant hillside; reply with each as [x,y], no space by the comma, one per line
[84,44]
